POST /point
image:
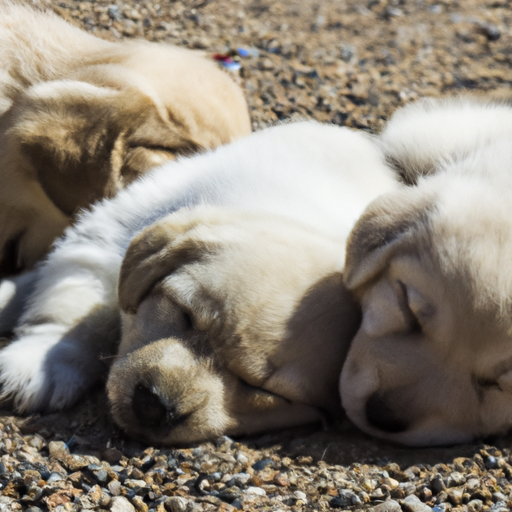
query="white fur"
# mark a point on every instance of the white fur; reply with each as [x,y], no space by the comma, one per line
[424,135]
[322,176]
[13,294]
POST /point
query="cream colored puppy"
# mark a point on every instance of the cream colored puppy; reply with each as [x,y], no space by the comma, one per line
[80,118]
[227,269]
[430,264]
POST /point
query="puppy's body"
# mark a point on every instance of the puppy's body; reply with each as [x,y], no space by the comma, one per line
[81,117]
[430,264]
[239,289]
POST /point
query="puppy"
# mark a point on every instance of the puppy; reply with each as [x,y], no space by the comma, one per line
[80,118]
[228,270]
[430,265]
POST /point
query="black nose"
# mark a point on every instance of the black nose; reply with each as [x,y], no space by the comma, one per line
[381,416]
[149,409]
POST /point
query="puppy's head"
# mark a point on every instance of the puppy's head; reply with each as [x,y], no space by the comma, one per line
[232,323]
[201,100]
[88,136]
[432,360]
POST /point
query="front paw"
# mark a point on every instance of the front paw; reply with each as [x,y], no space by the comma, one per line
[44,371]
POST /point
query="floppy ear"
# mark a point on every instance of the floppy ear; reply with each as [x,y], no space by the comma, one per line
[385,226]
[85,142]
[154,254]
[66,131]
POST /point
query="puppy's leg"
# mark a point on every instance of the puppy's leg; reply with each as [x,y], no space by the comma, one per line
[14,294]
[71,319]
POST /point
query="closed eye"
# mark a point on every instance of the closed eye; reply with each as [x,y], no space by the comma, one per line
[483,384]
[153,147]
[180,150]
[403,299]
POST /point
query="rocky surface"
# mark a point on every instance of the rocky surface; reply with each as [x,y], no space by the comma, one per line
[350,62]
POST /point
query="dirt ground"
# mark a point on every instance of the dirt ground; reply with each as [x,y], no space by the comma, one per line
[349,62]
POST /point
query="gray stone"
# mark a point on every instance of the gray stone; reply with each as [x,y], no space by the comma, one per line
[388,506]
[414,504]
[455,479]
[240,479]
[114,12]
[345,498]
[120,504]
[176,504]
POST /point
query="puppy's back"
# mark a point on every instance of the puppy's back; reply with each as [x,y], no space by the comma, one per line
[36,45]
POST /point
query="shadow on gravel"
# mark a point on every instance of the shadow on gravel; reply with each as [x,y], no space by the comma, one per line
[88,429]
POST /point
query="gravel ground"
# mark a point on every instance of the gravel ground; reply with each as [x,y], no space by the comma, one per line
[350,62]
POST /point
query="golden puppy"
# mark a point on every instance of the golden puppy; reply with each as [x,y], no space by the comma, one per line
[81,117]
[431,266]
[233,322]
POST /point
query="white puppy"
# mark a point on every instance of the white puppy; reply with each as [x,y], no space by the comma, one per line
[430,264]
[235,317]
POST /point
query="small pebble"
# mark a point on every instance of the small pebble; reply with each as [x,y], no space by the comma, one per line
[345,498]
[300,496]
[58,450]
[255,490]
[491,462]
[114,487]
[54,477]
[455,479]
[475,505]
[455,496]
[114,12]
[490,31]
[413,504]
[262,464]
[388,506]
[176,504]
[242,458]
[121,504]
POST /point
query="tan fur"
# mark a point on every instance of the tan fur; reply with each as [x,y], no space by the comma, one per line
[81,117]
[237,322]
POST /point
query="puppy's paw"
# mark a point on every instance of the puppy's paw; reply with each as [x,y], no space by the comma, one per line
[43,371]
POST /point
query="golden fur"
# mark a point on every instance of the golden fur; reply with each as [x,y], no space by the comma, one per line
[221,308]
[81,117]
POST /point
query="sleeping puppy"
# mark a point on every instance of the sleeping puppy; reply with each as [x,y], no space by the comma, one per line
[80,118]
[430,264]
[227,269]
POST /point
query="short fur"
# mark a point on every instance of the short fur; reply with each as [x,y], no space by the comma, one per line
[80,118]
[235,319]
[430,264]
